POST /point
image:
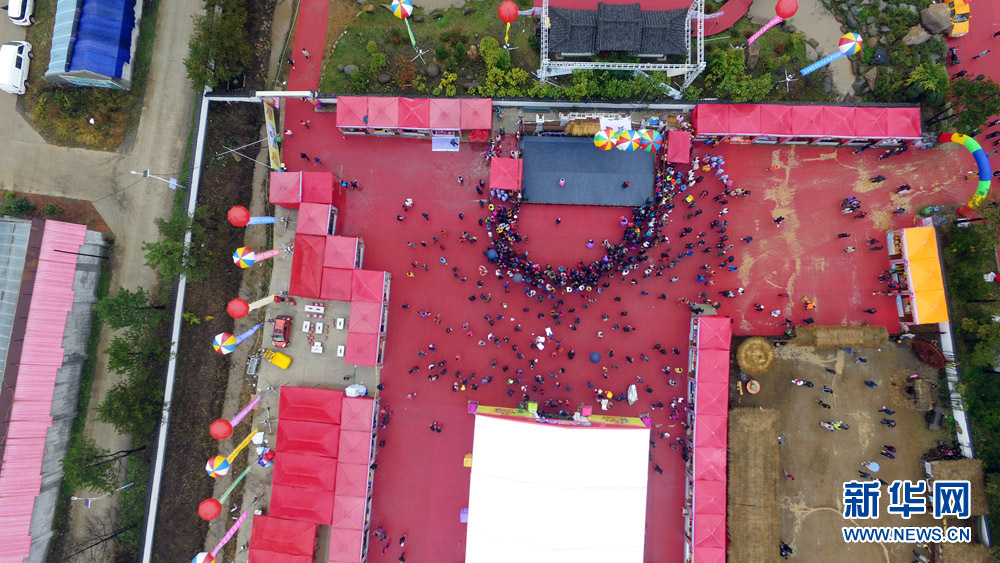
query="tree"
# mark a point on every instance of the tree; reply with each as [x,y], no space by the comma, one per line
[16,206]
[218,49]
[729,78]
[136,353]
[127,308]
[133,406]
[986,334]
[971,104]
[85,468]
[928,82]
[493,54]
[169,256]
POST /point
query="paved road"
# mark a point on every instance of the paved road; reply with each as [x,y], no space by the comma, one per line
[126,203]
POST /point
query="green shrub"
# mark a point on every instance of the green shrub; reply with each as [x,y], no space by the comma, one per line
[51,209]
[16,206]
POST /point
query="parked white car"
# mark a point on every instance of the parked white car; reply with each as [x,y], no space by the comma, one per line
[15,58]
[21,12]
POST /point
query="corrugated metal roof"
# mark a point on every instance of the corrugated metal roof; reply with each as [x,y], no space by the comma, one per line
[13,247]
[64,35]
[20,471]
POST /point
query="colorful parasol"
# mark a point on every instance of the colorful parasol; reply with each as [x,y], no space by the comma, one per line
[605,139]
[850,43]
[244,257]
[650,140]
[224,343]
[217,466]
[203,558]
[402,9]
[628,140]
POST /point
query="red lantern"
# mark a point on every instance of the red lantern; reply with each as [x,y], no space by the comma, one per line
[221,429]
[507,11]
[209,509]
[239,216]
[238,308]
[786,8]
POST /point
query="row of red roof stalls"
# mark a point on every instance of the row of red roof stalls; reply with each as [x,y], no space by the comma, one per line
[31,410]
[437,114]
[322,475]
[780,120]
[711,409]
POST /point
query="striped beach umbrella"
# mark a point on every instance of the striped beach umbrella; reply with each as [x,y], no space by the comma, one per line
[650,139]
[244,257]
[217,466]
[402,9]
[224,343]
[604,139]
[628,140]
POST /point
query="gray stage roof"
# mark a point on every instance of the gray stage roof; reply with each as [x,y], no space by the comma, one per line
[617,27]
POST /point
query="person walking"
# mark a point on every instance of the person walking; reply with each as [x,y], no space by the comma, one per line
[981,55]
[562,182]
[305,123]
[888,412]
[871,310]
[777,221]
[878,179]
[849,249]
[843,235]
[871,384]
[317,160]
[625,184]
[959,74]
[306,54]
[291,63]
[288,133]
[303,156]
[461,180]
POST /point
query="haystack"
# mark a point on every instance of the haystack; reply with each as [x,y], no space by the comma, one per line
[838,337]
[967,469]
[963,553]
[753,510]
[583,128]
[755,356]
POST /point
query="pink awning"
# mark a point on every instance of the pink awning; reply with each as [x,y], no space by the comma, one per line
[477,113]
[710,497]
[807,121]
[307,266]
[839,121]
[383,112]
[358,414]
[336,284]
[286,189]
[709,463]
[414,113]
[314,219]
[506,174]
[710,119]
[341,252]
[710,431]
[345,545]
[713,367]
[352,479]
[368,285]
[348,513]
[356,445]
[317,187]
[445,113]
[678,146]
[310,405]
[362,349]
[366,317]
[709,530]
[872,123]
[744,119]
[352,111]
[713,399]
[904,123]
[776,120]
[714,332]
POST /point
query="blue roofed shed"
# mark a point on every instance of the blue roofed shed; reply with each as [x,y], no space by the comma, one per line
[93,42]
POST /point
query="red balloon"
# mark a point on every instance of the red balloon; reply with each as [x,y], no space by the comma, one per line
[220,429]
[238,308]
[507,11]
[239,216]
[209,509]
[786,8]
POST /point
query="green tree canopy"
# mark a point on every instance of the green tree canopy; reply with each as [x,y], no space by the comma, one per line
[972,103]
[84,467]
[169,256]
[132,406]
[127,308]
[730,80]
[218,49]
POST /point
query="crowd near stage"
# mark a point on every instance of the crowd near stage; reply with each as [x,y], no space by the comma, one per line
[592,177]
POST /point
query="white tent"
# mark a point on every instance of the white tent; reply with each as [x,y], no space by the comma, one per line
[542,492]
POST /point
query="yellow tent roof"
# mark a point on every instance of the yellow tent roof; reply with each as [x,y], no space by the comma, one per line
[925,275]
[930,307]
[919,243]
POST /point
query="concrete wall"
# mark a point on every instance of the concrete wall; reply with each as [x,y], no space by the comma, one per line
[64,400]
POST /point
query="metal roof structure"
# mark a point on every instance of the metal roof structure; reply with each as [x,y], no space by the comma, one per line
[13,248]
[572,32]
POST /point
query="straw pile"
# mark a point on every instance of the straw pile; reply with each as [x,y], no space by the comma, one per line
[837,337]
[583,128]
[967,469]
[964,553]
[755,356]
[753,510]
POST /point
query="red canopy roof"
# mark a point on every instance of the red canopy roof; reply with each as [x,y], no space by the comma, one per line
[366,317]
[265,556]
[310,405]
[355,445]
[305,470]
[775,117]
[713,367]
[710,431]
[286,189]
[714,333]
[341,252]
[414,113]
[844,122]
[383,112]
[349,513]
[807,121]
[710,119]
[368,285]
[707,554]
[307,266]
[903,122]
[713,399]
[709,530]
[336,284]
[873,122]
[477,113]
[298,503]
[301,437]
[357,413]
[362,349]
[678,146]
[506,174]
[317,187]
[314,219]
[352,111]
[710,497]
[709,463]
[744,119]
[445,113]
[839,121]
[292,537]
[345,546]
[352,479]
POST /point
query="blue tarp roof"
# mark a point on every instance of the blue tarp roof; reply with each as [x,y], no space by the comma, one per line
[92,35]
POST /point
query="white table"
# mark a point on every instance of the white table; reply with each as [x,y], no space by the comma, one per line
[319,328]
[340,323]
[317,348]
[306,326]
[316,309]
